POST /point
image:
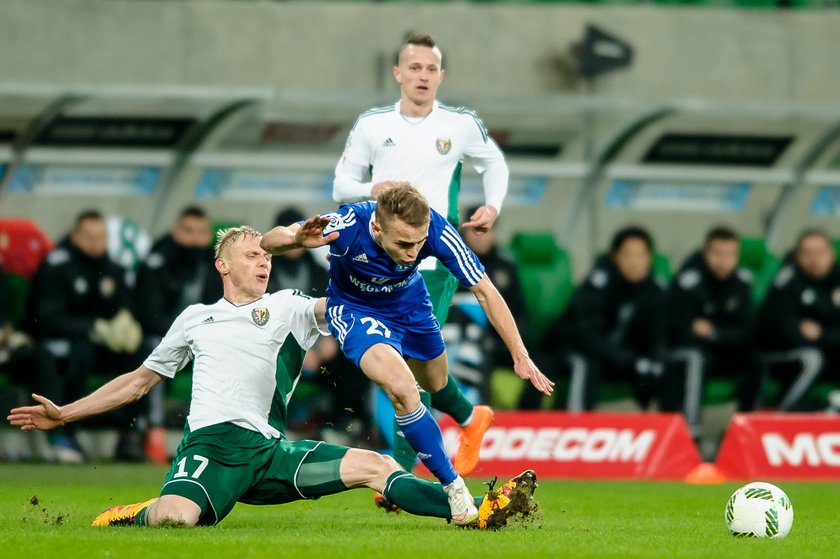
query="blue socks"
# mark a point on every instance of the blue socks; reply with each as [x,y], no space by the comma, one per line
[423,434]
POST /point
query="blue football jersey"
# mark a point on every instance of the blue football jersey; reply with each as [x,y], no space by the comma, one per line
[363,274]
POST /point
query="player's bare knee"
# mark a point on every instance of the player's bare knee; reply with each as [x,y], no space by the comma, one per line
[174,510]
[389,465]
[382,468]
[365,468]
[405,397]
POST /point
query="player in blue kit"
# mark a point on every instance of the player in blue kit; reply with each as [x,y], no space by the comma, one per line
[379,310]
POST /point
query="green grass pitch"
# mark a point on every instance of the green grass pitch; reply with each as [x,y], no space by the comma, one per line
[580,519]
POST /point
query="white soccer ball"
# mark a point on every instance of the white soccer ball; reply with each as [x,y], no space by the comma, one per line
[759,510]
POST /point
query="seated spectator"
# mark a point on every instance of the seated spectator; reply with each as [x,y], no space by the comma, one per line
[799,324]
[178,272]
[79,315]
[348,419]
[710,319]
[614,328]
[34,370]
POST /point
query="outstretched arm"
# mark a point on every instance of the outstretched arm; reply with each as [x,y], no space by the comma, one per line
[309,234]
[499,315]
[122,390]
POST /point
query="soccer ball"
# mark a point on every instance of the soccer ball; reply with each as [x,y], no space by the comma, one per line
[759,510]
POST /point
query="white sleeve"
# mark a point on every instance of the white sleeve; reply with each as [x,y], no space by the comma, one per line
[349,184]
[495,180]
[300,317]
[488,160]
[172,353]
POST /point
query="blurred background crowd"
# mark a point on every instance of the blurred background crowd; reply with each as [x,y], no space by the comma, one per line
[631,333]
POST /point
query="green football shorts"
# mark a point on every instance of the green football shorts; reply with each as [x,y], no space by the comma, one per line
[441,285]
[220,465]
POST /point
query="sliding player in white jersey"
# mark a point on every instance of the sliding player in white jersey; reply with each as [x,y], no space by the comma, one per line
[247,350]
[425,142]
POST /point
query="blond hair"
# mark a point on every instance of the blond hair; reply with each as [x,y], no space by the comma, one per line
[404,202]
[226,237]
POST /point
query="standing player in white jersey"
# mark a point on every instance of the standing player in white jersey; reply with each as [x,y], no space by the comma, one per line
[424,142]
[247,350]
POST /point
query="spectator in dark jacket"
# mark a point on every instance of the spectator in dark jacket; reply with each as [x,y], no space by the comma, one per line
[799,324]
[34,370]
[710,319]
[615,326]
[178,272]
[79,314]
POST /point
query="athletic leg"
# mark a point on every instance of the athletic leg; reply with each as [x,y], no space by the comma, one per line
[404,454]
[384,366]
[212,470]
[474,420]
[364,468]
[442,286]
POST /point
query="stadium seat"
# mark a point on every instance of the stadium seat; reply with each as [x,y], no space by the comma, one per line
[761,262]
[545,271]
[219,225]
[662,268]
[17,291]
[22,246]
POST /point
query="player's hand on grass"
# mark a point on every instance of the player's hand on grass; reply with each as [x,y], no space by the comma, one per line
[527,370]
[43,417]
[311,233]
[482,220]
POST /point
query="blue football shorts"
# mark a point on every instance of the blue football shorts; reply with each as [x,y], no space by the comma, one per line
[415,333]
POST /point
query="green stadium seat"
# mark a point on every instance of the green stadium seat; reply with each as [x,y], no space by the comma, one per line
[219,225]
[662,268]
[545,271]
[761,4]
[762,263]
[17,291]
[818,395]
[719,391]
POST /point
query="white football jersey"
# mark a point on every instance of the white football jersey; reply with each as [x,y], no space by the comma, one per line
[235,349]
[428,152]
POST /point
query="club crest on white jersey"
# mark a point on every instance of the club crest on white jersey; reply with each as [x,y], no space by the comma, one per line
[260,316]
[443,145]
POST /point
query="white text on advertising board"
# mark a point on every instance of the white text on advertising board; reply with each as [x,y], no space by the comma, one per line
[561,445]
[815,450]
